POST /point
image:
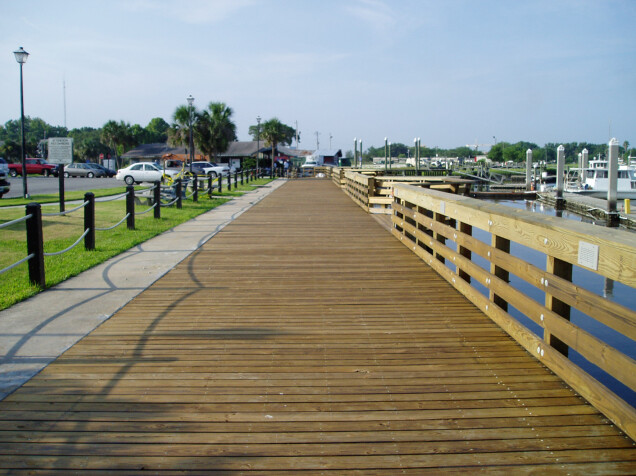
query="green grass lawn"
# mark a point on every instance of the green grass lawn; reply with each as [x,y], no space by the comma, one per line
[62,231]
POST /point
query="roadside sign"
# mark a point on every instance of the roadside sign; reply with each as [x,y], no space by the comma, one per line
[60,150]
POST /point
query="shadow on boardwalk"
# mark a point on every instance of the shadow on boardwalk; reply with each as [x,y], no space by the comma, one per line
[303,337]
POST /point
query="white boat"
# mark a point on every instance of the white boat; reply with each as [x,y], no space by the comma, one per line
[593,181]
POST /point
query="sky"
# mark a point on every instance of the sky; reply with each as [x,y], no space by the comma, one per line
[452,72]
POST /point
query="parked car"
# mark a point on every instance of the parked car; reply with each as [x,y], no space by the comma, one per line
[198,167]
[141,172]
[108,172]
[5,186]
[33,166]
[213,169]
[79,169]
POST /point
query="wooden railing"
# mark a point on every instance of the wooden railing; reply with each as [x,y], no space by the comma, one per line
[374,192]
[441,228]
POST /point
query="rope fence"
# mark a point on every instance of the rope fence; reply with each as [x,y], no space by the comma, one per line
[115,225]
[66,212]
[34,229]
[57,253]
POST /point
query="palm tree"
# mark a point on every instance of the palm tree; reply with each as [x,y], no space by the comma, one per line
[179,131]
[274,133]
[115,134]
[215,129]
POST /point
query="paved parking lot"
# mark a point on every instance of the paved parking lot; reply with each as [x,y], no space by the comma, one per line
[39,185]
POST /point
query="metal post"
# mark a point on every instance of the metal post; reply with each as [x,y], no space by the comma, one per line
[209,186]
[178,191]
[613,218]
[559,179]
[258,141]
[385,156]
[360,142]
[229,181]
[235,180]
[355,151]
[528,169]
[242,177]
[195,184]
[220,179]
[130,207]
[25,191]
[157,199]
[35,244]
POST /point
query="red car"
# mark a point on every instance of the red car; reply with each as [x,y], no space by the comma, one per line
[33,166]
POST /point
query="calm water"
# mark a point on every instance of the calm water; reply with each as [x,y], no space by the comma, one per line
[617,292]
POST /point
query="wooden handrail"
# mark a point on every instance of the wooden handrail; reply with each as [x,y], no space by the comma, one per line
[426,220]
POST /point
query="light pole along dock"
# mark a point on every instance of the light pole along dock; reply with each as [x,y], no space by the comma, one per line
[304,338]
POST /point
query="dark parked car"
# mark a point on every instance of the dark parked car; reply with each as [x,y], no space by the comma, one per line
[82,170]
[109,172]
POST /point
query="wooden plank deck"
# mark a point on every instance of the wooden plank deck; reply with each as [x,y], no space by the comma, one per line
[303,338]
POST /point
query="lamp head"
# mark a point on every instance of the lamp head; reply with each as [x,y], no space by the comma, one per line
[21,55]
[190,100]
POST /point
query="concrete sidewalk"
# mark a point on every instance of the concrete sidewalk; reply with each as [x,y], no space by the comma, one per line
[35,332]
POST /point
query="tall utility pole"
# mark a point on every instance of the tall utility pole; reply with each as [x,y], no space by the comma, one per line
[330,137]
[317,141]
[258,141]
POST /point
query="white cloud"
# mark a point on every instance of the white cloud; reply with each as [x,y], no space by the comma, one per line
[198,12]
[375,13]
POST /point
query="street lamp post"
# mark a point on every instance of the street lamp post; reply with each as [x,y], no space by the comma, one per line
[360,142]
[21,57]
[190,101]
[258,141]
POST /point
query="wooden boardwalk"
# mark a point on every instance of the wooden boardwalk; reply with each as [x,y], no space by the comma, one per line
[303,338]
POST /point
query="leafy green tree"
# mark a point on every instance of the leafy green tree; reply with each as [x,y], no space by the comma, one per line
[157,130]
[290,133]
[215,129]
[10,150]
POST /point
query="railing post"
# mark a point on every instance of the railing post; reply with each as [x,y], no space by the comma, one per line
[440,218]
[466,229]
[229,182]
[209,186]
[562,269]
[242,177]
[235,180]
[504,245]
[195,193]
[178,192]
[89,221]
[220,179]
[60,180]
[130,207]
[156,193]
[35,244]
